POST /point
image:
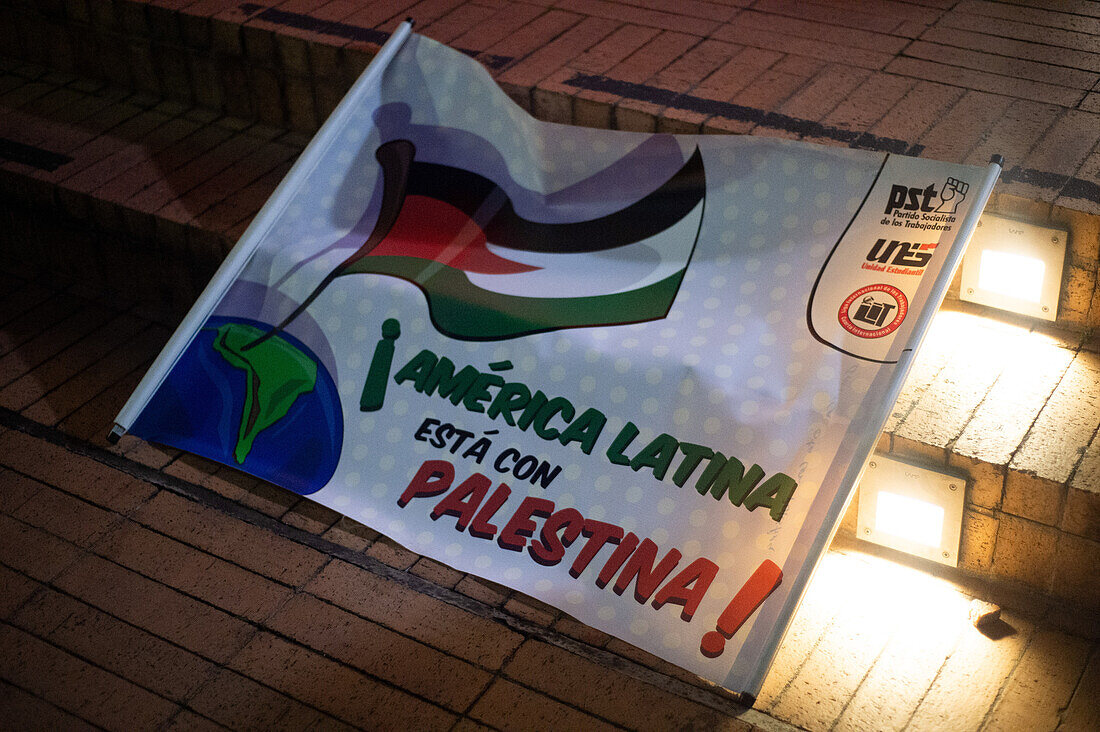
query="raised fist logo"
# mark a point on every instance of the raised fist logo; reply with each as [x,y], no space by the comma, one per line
[951,195]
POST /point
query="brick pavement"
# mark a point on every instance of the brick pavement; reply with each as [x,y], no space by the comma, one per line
[141,586]
[196,110]
[141,589]
[919,76]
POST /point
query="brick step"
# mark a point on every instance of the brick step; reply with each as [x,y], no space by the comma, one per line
[100,182]
[141,184]
[316,593]
[68,361]
[1014,410]
[922,81]
[917,80]
[277,66]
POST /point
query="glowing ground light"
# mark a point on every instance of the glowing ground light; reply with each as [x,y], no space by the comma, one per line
[909,518]
[1012,275]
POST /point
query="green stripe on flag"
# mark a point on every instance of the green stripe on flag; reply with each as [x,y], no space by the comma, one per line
[461,310]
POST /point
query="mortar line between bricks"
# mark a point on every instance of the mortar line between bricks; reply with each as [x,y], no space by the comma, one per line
[142,367]
[261,624]
[878,656]
[781,101]
[59,346]
[1077,465]
[821,73]
[913,405]
[717,699]
[1038,138]
[45,587]
[258,627]
[580,19]
[82,164]
[990,52]
[466,714]
[33,99]
[29,304]
[1092,301]
[1033,23]
[949,446]
[50,703]
[90,553]
[839,102]
[497,675]
[931,684]
[981,136]
[25,501]
[153,152]
[691,87]
[794,674]
[139,109]
[1007,681]
[1095,655]
[1065,185]
[82,342]
[181,195]
[42,324]
[94,664]
[239,187]
[695,85]
[130,516]
[216,669]
[117,520]
[41,589]
[180,708]
[559,700]
[478,722]
[272,614]
[1031,426]
[80,554]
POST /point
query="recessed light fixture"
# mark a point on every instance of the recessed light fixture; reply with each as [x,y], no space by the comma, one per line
[1015,266]
[911,509]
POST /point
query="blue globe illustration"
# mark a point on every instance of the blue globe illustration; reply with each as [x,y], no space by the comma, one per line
[270,409]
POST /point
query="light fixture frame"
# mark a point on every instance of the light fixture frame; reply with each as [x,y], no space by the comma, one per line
[1021,238]
[889,475]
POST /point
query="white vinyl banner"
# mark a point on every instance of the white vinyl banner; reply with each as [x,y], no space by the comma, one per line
[634,376]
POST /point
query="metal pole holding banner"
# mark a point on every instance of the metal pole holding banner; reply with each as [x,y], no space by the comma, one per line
[878,419]
[492,254]
[240,255]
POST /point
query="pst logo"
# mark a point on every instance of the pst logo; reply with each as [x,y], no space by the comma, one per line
[951,195]
[946,200]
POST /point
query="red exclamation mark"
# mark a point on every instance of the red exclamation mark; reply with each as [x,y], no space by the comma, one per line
[761,584]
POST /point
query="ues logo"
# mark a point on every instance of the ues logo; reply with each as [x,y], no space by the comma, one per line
[901,253]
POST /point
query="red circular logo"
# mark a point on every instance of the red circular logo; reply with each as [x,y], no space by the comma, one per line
[873,311]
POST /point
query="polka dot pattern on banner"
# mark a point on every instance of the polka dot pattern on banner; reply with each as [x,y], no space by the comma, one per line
[731,366]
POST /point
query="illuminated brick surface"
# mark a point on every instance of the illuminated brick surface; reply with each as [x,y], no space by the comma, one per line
[140,587]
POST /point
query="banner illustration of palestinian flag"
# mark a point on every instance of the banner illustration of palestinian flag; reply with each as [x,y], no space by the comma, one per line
[489,273]
[635,376]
